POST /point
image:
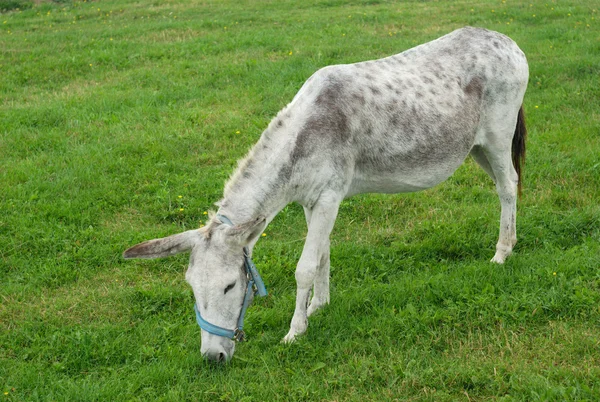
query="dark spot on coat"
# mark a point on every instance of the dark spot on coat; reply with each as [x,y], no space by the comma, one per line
[250,164]
[359,98]
[475,87]
[374,90]
[395,120]
[328,124]
[285,172]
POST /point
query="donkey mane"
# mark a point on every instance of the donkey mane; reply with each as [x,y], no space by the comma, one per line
[246,165]
[243,165]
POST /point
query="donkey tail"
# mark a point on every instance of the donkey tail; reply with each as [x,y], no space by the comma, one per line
[518,147]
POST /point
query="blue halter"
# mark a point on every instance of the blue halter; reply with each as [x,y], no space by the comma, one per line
[255,285]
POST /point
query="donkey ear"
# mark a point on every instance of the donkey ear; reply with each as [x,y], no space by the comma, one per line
[164,247]
[244,233]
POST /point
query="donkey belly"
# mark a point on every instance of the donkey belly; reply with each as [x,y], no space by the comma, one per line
[415,156]
[402,175]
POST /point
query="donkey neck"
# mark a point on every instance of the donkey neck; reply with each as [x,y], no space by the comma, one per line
[257,187]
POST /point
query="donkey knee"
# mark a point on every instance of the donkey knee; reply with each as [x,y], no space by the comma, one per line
[306,272]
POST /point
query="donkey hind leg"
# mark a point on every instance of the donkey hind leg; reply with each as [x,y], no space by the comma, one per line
[506,179]
[320,295]
[479,156]
[322,218]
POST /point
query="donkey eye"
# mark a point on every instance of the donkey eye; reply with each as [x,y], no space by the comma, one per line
[229,287]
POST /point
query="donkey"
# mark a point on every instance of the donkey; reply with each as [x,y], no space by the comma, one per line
[399,124]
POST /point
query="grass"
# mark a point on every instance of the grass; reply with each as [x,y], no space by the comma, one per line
[112,110]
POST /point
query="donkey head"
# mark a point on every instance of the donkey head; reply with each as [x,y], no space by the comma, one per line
[216,273]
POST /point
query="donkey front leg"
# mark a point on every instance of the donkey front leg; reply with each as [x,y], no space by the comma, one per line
[320,295]
[321,285]
[316,247]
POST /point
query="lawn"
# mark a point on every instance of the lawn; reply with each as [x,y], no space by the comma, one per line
[120,121]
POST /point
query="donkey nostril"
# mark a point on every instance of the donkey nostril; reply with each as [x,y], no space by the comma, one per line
[218,355]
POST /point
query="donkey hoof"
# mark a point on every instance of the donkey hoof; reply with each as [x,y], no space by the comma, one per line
[498,258]
[289,338]
[502,252]
[314,306]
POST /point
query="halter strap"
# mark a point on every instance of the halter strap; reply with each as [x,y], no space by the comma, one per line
[248,263]
[255,286]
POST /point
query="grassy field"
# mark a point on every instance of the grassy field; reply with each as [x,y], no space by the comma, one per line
[120,121]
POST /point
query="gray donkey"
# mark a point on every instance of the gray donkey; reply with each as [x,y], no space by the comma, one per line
[399,124]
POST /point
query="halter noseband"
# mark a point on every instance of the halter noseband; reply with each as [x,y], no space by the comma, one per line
[255,286]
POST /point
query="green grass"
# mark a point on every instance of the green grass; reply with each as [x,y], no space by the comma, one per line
[111,110]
